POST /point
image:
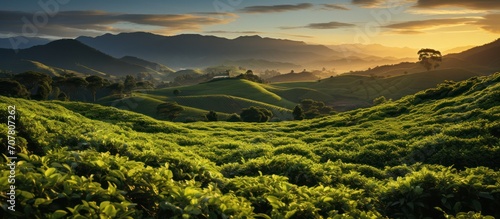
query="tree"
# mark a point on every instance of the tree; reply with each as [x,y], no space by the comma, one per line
[169,110]
[72,87]
[38,84]
[95,83]
[115,88]
[212,116]
[298,113]
[10,88]
[256,114]
[129,84]
[312,109]
[429,58]
[234,118]
[176,92]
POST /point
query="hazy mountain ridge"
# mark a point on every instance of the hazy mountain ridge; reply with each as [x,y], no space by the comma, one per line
[72,55]
[192,50]
[21,42]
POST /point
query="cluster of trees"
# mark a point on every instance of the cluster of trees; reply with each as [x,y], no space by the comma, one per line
[171,110]
[308,109]
[39,86]
[249,75]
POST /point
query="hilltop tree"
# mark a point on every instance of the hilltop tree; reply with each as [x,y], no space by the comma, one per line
[169,110]
[256,114]
[298,113]
[212,116]
[429,58]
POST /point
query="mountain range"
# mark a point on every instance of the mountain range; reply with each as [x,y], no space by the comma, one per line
[133,53]
[196,51]
[72,55]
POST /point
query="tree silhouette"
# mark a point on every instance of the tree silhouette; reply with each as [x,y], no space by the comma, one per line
[95,83]
[212,116]
[169,110]
[38,84]
[298,113]
[176,92]
[129,83]
[10,88]
[256,114]
[429,58]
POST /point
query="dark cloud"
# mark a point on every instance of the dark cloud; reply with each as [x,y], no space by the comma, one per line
[232,32]
[367,3]
[431,23]
[75,23]
[490,22]
[329,25]
[323,26]
[472,4]
[275,8]
[335,7]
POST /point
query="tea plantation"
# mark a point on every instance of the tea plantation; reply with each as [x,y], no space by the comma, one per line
[435,154]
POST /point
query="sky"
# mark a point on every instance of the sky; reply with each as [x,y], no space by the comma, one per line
[438,24]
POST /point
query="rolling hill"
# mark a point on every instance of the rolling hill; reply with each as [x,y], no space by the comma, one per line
[70,55]
[434,154]
[480,59]
[225,97]
[290,77]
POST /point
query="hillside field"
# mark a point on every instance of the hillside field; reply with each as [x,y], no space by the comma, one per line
[434,154]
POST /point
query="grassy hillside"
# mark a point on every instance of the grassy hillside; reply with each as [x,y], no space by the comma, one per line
[224,97]
[437,149]
[353,91]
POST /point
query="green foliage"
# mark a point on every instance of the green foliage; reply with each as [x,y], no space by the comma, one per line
[169,110]
[379,100]
[298,113]
[256,114]
[212,116]
[432,158]
[313,109]
[10,88]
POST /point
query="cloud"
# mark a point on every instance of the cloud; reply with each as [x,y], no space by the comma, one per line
[367,3]
[75,23]
[334,7]
[471,4]
[329,25]
[426,11]
[275,8]
[412,26]
[232,32]
[322,26]
[490,23]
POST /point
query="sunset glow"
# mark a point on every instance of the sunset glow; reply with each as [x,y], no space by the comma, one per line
[410,23]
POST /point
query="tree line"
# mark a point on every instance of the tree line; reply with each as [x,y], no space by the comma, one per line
[39,86]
